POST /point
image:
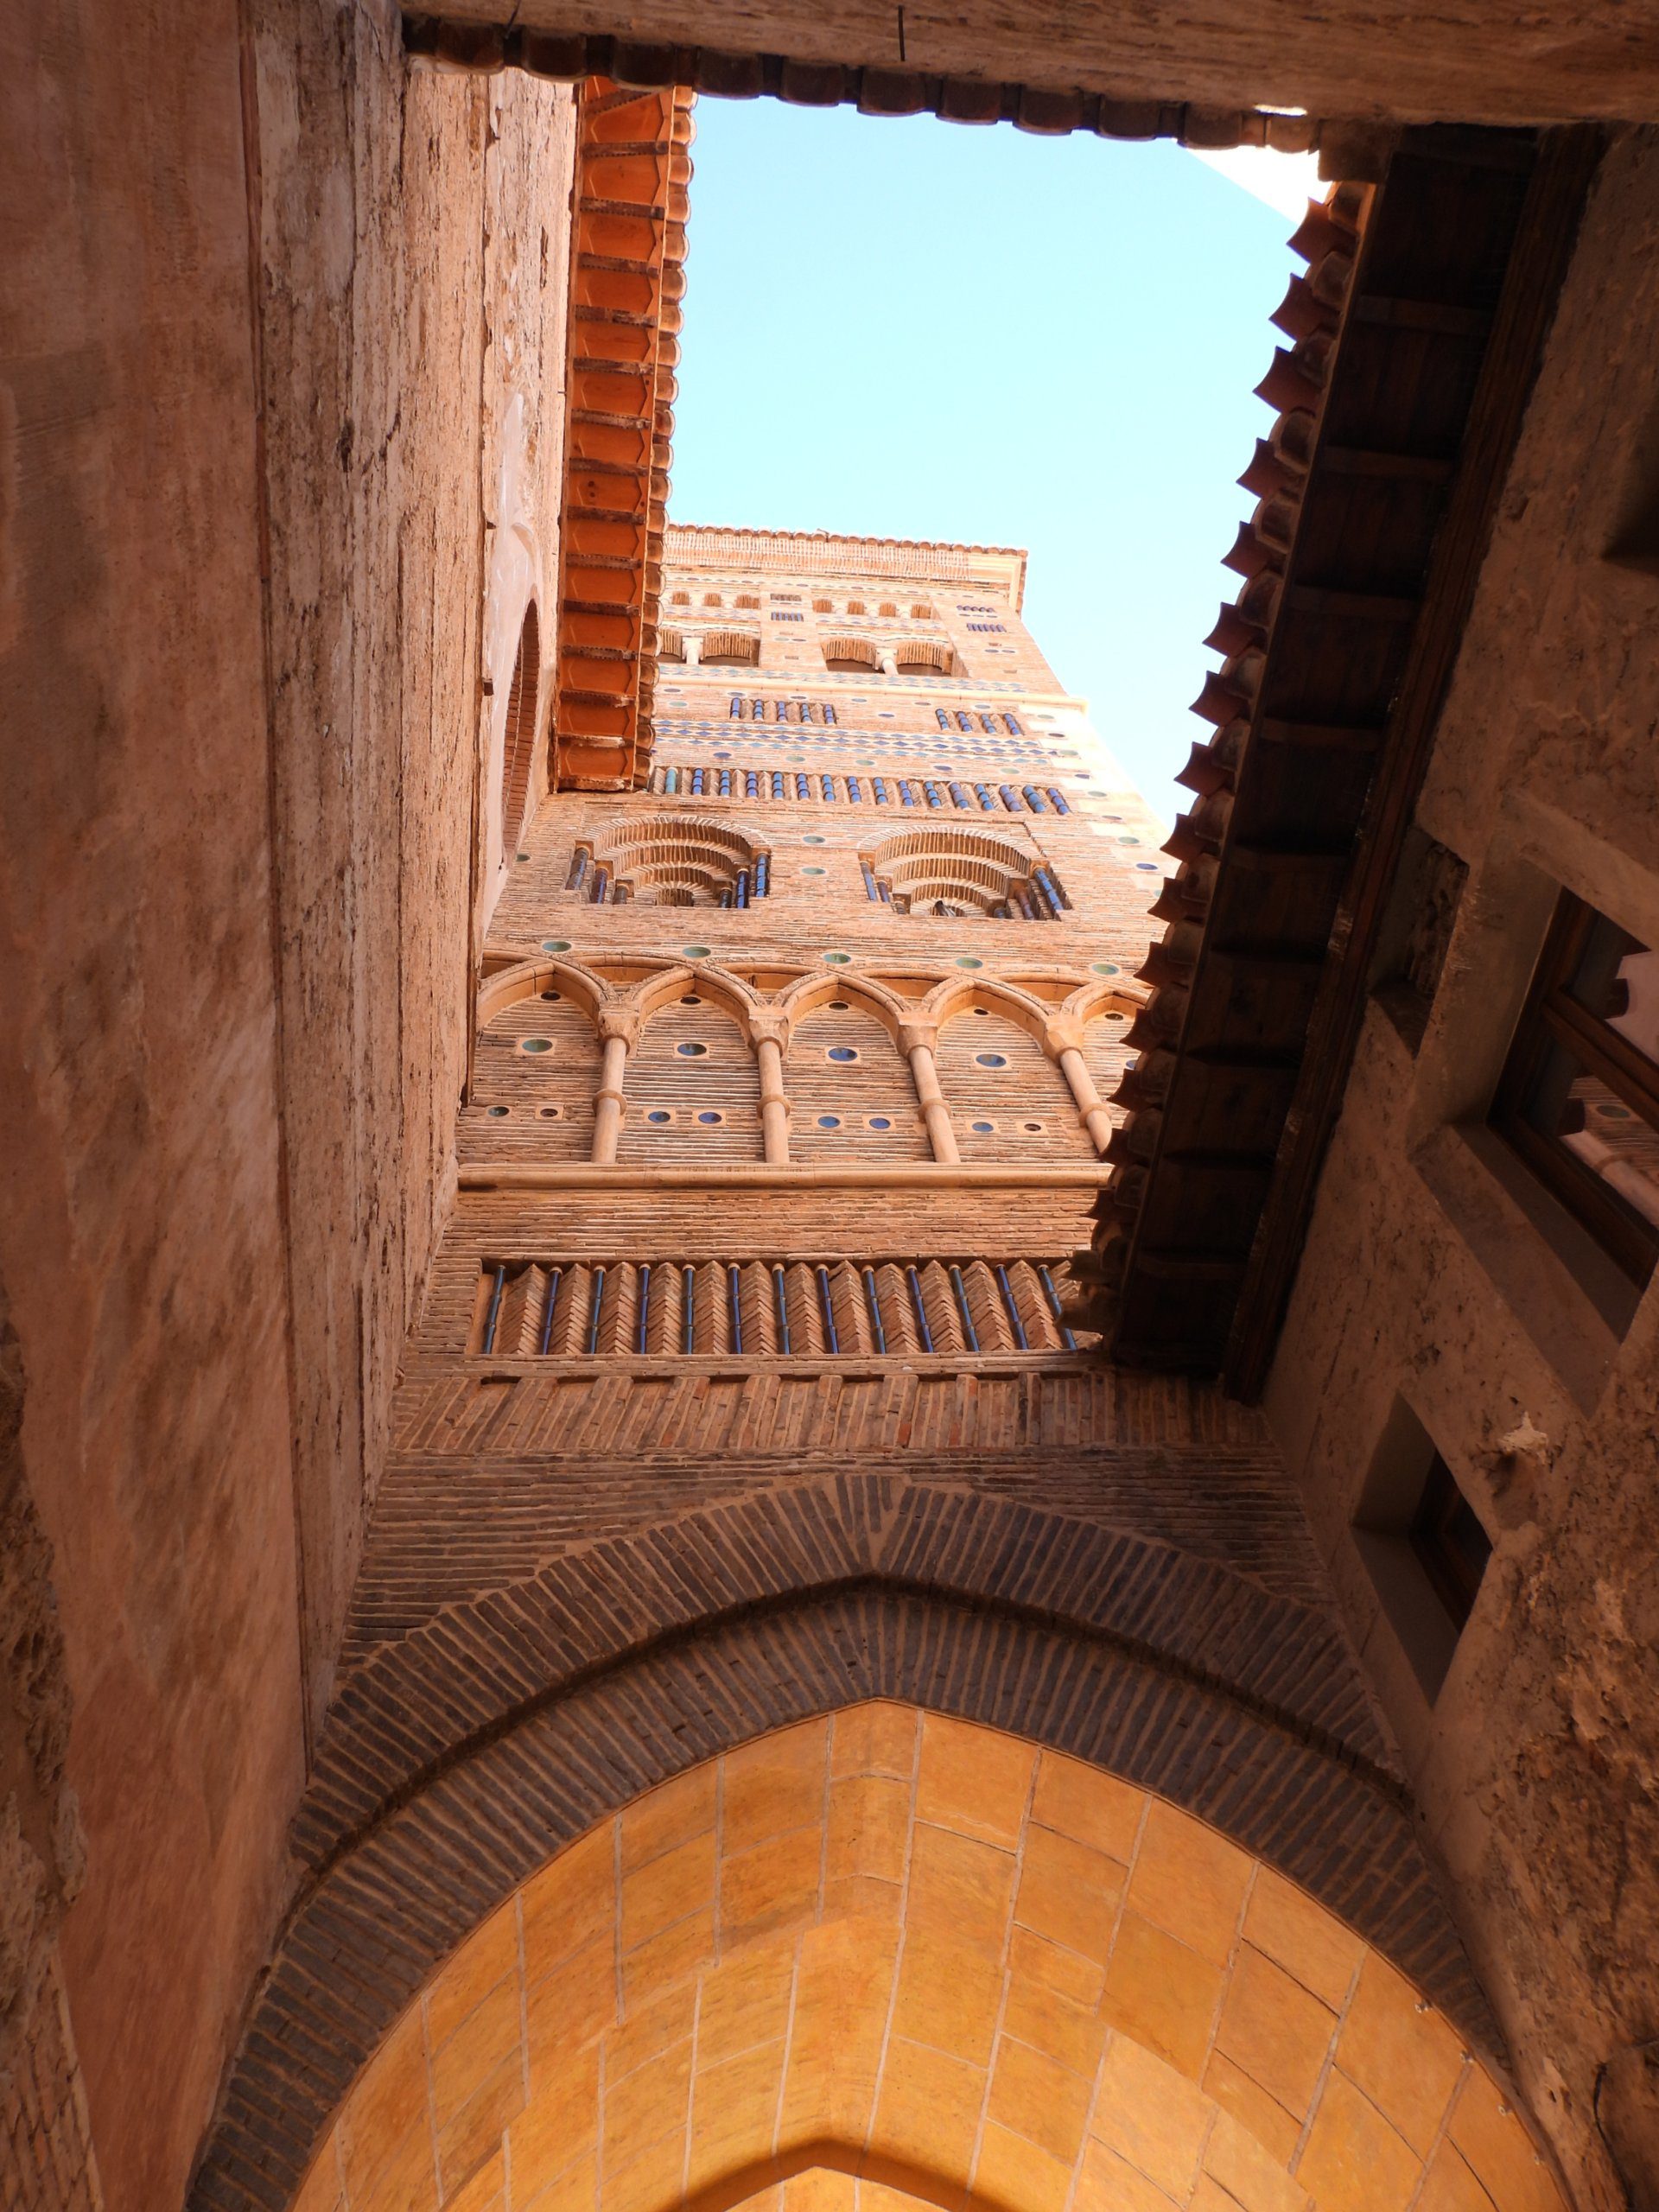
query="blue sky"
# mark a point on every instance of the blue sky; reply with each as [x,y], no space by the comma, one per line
[919,330]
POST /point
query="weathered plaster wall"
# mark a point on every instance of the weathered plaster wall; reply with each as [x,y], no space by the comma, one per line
[1537,1764]
[236,875]
[413,233]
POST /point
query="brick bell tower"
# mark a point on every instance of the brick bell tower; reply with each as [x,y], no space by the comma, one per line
[856,964]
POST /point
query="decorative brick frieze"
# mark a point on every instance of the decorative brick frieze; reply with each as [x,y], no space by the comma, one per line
[588,1307]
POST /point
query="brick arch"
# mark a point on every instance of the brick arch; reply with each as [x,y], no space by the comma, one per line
[466,1751]
[877,1083]
[891,1947]
[955,994]
[862,652]
[925,657]
[678,859]
[1028,1088]
[1101,994]
[398,1717]
[658,1078]
[518,742]
[670,984]
[548,1091]
[730,648]
[968,866]
[526,977]
[811,992]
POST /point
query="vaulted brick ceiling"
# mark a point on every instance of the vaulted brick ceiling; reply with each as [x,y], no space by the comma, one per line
[889,1959]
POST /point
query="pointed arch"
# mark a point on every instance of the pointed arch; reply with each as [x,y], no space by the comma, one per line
[832,1947]
[519,745]
[850,1090]
[673,982]
[946,999]
[884,1006]
[1007,1095]
[526,977]
[690,1082]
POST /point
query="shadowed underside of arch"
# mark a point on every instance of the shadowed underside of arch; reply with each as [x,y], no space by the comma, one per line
[883,1959]
[468,1751]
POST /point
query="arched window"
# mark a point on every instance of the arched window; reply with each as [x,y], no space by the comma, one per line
[851,656]
[520,742]
[956,872]
[925,657]
[675,861]
[729,649]
[671,645]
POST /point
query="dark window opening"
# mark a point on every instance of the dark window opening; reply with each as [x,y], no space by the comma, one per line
[1451,1546]
[1578,1098]
[1416,933]
[1423,1545]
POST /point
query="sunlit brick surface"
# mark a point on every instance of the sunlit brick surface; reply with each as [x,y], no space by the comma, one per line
[626,1605]
[886,1955]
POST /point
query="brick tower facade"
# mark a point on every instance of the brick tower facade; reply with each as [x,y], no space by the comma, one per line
[865,943]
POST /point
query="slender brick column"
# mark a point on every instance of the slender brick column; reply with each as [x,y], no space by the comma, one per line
[1092,1112]
[918,1041]
[770,1037]
[618,1030]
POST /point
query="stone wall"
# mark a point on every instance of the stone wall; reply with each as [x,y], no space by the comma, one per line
[1427,1278]
[414,234]
[141,1239]
[243,626]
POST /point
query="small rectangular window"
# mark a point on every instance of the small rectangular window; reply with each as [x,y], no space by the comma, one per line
[1451,1546]
[1578,1098]
[1423,1545]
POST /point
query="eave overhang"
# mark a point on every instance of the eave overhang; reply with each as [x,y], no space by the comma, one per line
[629,206]
[1416,334]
